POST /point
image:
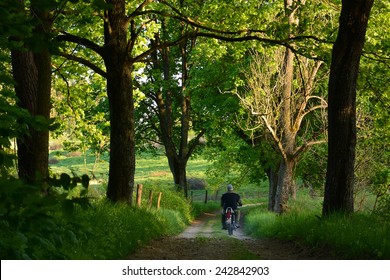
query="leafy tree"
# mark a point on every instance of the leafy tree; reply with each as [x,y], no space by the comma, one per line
[373,125]
[81,109]
[285,114]
[169,115]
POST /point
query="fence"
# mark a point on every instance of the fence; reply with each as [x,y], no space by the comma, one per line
[194,195]
[138,197]
[215,195]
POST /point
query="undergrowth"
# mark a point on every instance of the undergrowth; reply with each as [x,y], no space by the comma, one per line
[355,236]
[34,225]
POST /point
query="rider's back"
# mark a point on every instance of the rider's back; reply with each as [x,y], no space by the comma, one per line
[230,199]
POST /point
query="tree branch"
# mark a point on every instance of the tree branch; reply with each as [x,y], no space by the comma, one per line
[139,9]
[305,146]
[66,37]
[84,62]
[195,143]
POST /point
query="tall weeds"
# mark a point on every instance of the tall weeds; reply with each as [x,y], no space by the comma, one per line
[357,236]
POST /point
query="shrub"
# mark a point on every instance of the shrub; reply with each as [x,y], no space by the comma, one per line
[28,225]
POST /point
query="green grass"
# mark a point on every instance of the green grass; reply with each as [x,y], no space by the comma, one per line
[201,207]
[150,170]
[356,236]
[110,231]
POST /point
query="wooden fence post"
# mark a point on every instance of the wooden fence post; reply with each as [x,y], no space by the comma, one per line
[150,201]
[139,194]
[205,199]
[159,200]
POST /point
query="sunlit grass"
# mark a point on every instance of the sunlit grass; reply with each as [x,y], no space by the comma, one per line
[108,231]
[356,236]
[150,170]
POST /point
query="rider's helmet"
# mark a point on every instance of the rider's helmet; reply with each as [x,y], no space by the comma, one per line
[229,187]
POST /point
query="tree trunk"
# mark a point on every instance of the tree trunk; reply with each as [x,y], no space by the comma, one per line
[286,169]
[177,153]
[122,142]
[285,181]
[120,95]
[342,106]
[32,73]
[180,175]
[272,183]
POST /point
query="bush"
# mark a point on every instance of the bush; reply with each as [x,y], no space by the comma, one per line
[28,226]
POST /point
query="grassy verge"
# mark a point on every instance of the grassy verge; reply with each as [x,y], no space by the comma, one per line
[33,226]
[201,207]
[357,236]
[107,231]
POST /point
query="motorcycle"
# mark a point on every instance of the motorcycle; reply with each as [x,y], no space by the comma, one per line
[230,220]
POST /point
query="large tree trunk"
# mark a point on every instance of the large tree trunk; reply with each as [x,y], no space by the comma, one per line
[286,169]
[178,168]
[285,182]
[342,106]
[32,73]
[120,95]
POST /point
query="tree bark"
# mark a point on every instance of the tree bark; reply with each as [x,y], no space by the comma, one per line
[342,106]
[286,169]
[288,135]
[120,95]
[272,188]
[31,71]
[284,185]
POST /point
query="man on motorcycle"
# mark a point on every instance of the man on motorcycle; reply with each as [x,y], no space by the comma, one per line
[230,199]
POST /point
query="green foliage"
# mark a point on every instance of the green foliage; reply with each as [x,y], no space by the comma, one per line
[171,200]
[112,231]
[383,209]
[28,226]
[311,169]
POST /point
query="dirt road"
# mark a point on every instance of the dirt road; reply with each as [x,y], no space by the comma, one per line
[205,240]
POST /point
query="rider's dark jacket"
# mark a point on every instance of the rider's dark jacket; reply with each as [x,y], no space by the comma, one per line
[230,199]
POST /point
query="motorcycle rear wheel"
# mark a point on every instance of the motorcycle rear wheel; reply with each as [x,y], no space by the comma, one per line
[230,228]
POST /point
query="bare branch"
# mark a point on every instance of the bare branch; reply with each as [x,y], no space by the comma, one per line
[305,146]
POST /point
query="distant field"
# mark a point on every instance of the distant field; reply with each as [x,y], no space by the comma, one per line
[151,170]
[147,167]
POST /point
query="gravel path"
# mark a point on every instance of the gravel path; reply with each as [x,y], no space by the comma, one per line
[205,240]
